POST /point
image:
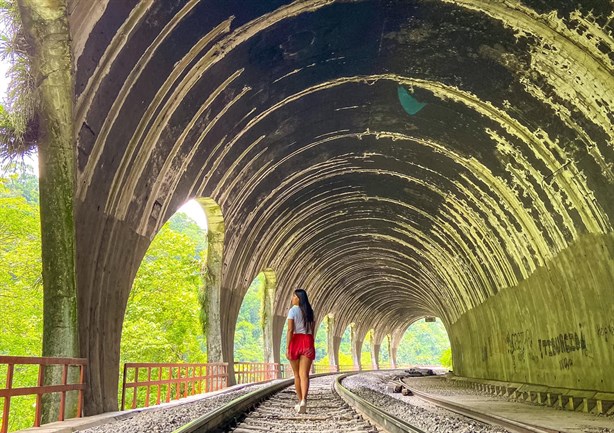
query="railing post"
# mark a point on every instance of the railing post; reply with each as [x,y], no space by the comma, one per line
[63,396]
[169,389]
[81,382]
[136,386]
[7,399]
[124,387]
[39,397]
[159,385]
[148,387]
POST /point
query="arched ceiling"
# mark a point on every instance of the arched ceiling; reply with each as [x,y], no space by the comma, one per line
[395,158]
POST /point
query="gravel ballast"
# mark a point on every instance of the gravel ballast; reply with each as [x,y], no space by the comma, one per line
[372,387]
[168,419]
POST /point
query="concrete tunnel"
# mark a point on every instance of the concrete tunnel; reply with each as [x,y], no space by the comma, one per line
[398,159]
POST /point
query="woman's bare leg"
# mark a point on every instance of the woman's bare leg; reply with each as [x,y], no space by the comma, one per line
[304,369]
[297,378]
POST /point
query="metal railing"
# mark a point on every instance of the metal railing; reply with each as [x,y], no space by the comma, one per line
[325,368]
[40,389]
[334,368]
[170,381]
[249,372]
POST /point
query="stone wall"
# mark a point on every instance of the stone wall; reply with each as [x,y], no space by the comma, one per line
[555,328]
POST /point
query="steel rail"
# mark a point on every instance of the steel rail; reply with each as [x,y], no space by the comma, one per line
[488,418]
[232,411]
[379,417]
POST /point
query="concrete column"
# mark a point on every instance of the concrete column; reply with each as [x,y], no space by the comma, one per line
[333,355]
[212,276]
[279,353]
[336,346]
[267,316]
[375,356]
[356,347]
[395,342]
[393,356]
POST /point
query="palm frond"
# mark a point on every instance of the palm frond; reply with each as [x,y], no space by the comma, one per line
[18,120]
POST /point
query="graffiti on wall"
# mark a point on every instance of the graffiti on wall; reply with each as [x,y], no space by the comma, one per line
[566,342]
[518,343]
[606,331]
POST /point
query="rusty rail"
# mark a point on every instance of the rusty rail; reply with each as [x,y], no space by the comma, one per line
[8,392]
[172,381]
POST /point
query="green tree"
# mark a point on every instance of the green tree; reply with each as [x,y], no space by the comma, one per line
[321,344]
[21,292]
[249,343]
[161,322]
[446,358]
[423,343]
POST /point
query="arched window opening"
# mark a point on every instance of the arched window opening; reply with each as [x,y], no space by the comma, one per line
[249,340]
[162,323]
[425,344]
[345,350]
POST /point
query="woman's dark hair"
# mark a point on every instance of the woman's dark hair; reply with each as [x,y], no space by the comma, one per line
[305,306]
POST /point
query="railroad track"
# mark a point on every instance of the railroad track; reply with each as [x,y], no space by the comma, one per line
[330,408]
[487,418]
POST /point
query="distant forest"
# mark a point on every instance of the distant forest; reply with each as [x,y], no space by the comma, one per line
[162,316]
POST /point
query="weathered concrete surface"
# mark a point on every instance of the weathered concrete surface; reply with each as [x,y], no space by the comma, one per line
[211,303]
[556,327]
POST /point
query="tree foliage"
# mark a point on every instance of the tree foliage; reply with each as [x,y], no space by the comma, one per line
[18,119]
[249,339]
[161,322]
[21,291]
[423,344]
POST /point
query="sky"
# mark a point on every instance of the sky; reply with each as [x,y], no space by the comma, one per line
[191,208]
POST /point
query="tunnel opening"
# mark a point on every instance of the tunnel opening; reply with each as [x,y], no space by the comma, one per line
[162,323]
[425,343]
[162,313]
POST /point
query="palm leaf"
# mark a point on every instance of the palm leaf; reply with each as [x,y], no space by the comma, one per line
[18,120]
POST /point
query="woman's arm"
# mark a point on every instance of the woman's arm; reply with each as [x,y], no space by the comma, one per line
[289,336]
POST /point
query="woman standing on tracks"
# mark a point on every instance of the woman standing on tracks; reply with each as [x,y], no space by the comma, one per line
[301,350]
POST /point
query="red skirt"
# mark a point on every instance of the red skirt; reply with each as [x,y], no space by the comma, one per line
[302,344]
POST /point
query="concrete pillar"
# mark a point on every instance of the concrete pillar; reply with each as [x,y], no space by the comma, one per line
[356,347]
[393,356]
[332,350]
[279,353]
[267,316]
[375,356]
[395,342]
[228,328]
[336,346]
[212,273]
[387,340]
